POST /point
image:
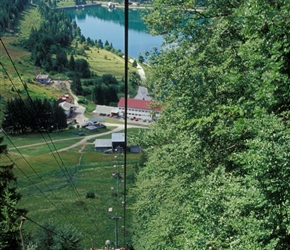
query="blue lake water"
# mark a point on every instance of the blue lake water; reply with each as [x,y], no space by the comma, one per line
[108,25]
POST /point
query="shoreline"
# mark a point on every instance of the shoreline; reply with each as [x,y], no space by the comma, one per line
[102,4]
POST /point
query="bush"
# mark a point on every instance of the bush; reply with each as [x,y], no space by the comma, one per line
[90,195]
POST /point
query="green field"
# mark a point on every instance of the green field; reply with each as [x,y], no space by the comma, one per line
[54,184]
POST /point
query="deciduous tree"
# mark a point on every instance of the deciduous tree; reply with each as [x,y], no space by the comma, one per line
[216,170]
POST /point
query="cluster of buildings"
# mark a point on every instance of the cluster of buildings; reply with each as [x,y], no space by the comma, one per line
[136,109]
[111,145]
[139,108]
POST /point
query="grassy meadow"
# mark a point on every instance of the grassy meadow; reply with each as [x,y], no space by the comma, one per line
[54,184]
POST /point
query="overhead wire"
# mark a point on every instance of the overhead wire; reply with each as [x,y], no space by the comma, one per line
[126,42]
[3,131]
[62,165]
[54,205]
[31,220]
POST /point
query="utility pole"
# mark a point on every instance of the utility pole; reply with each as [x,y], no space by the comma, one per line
[20,230]
[116,218]
[117,174]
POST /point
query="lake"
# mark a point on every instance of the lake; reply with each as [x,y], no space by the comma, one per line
[107,24]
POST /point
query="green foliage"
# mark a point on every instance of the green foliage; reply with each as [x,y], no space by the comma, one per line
[10,215]
[9,11]
[216,170]
[90,195]
[141,59]
[134,64]
[54,237]
[54,37]
[82,67]
[76,85]
[109,79]
[22,116]
[104,95]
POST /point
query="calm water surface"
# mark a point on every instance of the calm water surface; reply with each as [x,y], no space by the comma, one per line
[108,25]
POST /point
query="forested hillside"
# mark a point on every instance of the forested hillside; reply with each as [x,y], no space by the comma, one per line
[217,168]
[9,12]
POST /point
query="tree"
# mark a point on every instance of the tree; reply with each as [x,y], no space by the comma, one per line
[111,96]
[134,64]
[61,61]
[10,215]
[76,85]
[100,44]
[82,67]
[10,10]
[53,37]
[56,237]
[141,59]
[223,82]
[59,118]
[109,79]
[71,64]
[99,95]
[29,115]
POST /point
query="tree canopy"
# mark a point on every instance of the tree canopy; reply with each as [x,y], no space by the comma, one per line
[56,237]
[216,174]
[10,215]
[9,13]
[22,116]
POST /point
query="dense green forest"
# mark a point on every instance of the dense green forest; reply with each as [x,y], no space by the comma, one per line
[217,173]
[9,12]
[23,116]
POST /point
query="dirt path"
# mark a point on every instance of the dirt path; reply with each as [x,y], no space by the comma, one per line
[86,138]
[83,142]
[80,110]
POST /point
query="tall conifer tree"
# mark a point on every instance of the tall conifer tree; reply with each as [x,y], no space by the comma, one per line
[10,215]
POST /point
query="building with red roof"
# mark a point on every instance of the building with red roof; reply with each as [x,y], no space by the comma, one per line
[140,109]
[64,98]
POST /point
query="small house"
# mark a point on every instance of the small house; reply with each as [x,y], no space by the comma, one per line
[64,98]
[44,79]
[103,144]
[69,109]
[117,140]
[94,122]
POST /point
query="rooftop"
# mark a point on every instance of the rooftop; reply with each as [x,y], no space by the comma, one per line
[136,103]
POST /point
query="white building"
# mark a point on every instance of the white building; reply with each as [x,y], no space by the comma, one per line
[140,109]
[69,109]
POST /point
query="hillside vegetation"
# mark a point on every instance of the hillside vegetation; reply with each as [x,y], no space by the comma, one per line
[217,167]
[18,69]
